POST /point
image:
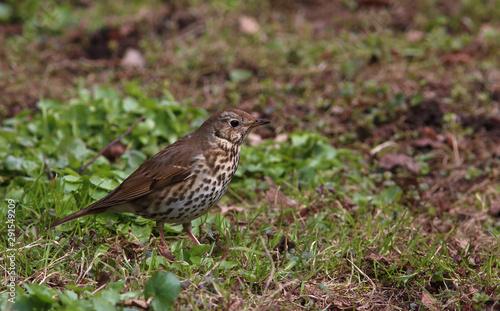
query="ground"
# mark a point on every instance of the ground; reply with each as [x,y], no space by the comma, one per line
[376,187]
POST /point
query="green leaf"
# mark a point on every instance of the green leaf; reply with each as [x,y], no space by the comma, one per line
[101,304]
[31,167]
[199,250]
[102,249]
[42,292]
[131,105]
[154,262]
[480,298]
[68,297]
[390,194]
[142,233]
[307,255]
[240,75]
[228,264]
[71,178]
[110,295]
[5,12]
[165,288]
[13,164]
[248,275]
[73,146]
[78,289]
[117,286]
[135,158]
[195,260]
[104,183]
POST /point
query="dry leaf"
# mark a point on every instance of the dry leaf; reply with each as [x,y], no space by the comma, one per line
[494,209]
[227,209]
[431,133]
[307,210]
[428,301]
[463,243]
[338,110]
[342,303]
[276,198]
[270,181]
[391,160]
[254,139]
[133,59]
[280,138]
[415,35]
[348,204]
[451,140]
[114,151]
[248,25]
[136,303]
[454,58]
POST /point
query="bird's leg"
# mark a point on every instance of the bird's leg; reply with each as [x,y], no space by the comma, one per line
[187,227]
[163,248]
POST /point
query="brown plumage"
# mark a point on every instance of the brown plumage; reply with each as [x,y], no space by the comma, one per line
[184,180]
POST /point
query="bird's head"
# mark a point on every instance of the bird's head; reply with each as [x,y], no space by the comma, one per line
[232,125]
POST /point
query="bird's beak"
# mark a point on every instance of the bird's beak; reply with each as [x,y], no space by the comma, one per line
[258,122]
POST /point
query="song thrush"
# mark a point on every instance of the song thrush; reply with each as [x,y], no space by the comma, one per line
[183,181]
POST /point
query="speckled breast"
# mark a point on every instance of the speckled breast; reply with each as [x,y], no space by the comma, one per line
[193,197]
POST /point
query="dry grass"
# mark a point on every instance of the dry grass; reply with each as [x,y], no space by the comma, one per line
[374,78]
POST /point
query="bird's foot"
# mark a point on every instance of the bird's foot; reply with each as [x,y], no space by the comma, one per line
[164,251]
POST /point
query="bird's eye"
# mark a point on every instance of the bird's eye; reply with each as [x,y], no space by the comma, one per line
[234,123]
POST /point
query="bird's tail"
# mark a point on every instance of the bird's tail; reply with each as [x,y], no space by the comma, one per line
[83,212]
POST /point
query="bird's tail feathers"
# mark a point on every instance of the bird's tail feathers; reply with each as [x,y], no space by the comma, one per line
[83,212]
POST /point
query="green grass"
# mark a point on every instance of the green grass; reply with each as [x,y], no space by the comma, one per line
[314,218]
[336,250]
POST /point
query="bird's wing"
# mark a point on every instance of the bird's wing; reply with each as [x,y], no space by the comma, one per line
[156,173]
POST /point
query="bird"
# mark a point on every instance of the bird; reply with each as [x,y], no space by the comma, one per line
[184,180]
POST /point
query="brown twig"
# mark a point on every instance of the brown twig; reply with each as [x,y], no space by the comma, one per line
[110,144]
[51,175]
